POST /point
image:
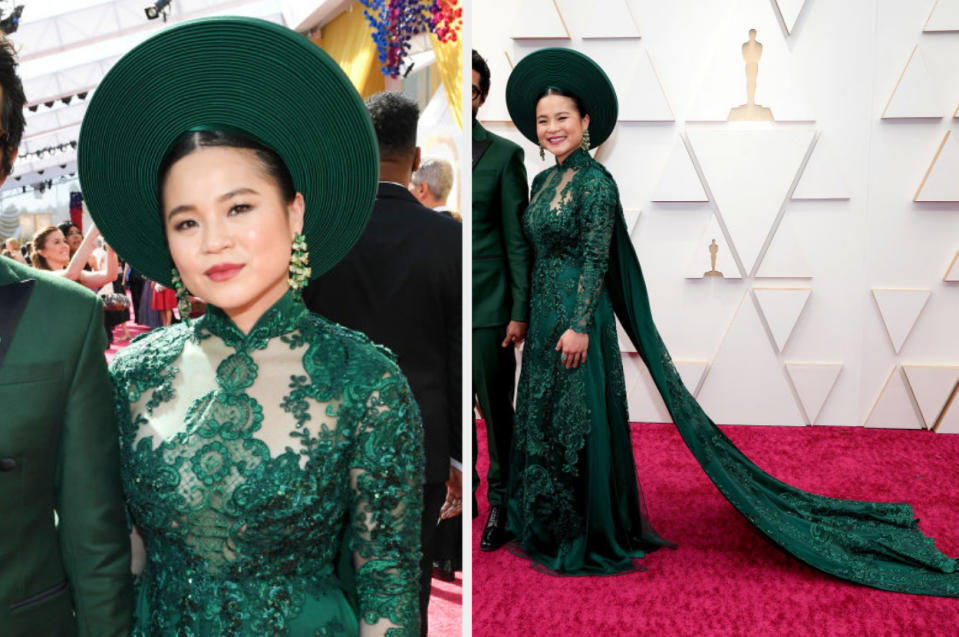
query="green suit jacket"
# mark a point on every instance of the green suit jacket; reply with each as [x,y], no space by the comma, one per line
[501,256]
[59,452]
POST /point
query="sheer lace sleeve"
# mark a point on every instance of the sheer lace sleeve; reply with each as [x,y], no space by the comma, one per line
[386,475]
[598,210]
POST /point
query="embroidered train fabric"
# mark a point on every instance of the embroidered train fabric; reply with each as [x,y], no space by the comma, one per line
[574,507]
[275,478]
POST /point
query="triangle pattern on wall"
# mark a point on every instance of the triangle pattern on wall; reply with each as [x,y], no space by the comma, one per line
[894,408]
[789,11]
[537,20]
[915,94]
[784,258]
[610,19]
[781,308]
[932,385]
[692,373]
[746,383]
[632,216]
[822,177]
[899,309]
[952,273]
[949,421]
[679,180]
[813,382]
[943,17]
[940,182]
[700,260]
[643,399]
[750,173]
[638,89]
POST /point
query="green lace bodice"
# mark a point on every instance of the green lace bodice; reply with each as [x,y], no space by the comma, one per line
[254,464]
[569,224]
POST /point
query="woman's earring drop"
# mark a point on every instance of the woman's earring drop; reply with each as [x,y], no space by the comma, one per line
[299,266]
[182,297]
[585,142]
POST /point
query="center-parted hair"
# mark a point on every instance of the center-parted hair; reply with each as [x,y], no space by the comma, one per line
[552,90]
[394,118]
[271,163]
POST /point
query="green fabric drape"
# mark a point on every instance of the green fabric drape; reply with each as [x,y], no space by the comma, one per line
[874,543]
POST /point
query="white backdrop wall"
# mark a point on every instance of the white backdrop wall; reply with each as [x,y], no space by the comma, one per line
[854,240]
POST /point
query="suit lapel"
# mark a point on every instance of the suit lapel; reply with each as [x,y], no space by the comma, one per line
[481,142]
[13,300]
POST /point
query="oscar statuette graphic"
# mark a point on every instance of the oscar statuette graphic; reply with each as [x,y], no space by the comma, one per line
[750,111]
[713,251]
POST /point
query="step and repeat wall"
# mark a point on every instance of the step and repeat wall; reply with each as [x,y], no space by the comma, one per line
[789,170]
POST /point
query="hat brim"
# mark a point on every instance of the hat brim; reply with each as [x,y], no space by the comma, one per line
[242,74]
[570,71]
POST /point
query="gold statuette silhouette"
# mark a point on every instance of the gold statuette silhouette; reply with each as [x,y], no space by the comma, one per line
[750,111]
[713,251]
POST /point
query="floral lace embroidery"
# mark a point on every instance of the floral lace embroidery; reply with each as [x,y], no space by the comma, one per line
[569,224]
[242,542]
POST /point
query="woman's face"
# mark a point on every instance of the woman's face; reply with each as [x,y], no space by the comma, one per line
[74,238]
[55,250]
[230,232]
[559,126]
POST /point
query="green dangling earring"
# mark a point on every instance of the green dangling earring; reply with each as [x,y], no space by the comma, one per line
[299,266]
[542,153]
[585,142]
[182,297]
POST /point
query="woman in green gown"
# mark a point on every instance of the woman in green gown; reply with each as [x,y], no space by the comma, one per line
[271,459]
[574,505]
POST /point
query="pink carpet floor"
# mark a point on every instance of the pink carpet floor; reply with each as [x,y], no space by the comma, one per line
[446,608]
[725,578]
[446,599]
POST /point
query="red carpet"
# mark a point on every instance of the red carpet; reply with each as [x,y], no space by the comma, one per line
[446,608]
[725,578]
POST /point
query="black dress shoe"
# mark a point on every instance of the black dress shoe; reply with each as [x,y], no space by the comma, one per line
[494,534]
[443,570]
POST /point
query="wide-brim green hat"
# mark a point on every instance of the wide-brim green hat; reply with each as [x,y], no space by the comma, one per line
[570,71]
[243,75]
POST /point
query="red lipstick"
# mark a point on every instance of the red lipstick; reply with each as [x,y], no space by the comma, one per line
[223,271]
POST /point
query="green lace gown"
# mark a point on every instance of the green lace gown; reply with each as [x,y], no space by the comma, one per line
[575,507]
[275,478]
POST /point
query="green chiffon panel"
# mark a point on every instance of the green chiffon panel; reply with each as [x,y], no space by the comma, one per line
[877,544]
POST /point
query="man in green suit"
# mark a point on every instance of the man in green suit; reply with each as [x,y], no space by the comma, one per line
[501,262]
[58,445]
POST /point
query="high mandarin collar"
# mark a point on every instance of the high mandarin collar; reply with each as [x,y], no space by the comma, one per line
[281,318]
[576,159]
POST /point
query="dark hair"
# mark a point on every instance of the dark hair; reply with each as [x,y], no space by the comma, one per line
[552,90]
[65,227]
[190,141]
[39,240]
[11,111]
[480,66]
[394,118]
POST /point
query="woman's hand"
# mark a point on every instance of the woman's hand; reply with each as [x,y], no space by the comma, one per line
[573,345]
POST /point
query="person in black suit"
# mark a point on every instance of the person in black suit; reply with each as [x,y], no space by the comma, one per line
[401,285]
